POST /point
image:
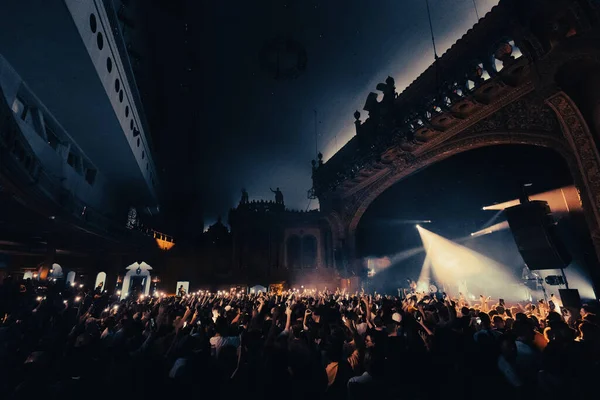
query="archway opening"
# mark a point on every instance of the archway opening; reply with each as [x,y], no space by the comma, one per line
[451,195]
[71,278]
[100,283]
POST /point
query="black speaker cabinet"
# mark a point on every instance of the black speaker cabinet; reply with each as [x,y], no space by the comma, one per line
[570,298]
[533,228]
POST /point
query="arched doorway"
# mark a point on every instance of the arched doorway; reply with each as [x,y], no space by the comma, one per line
[451,194]
[136,280]
[71,278]
[56,272]
[100,280]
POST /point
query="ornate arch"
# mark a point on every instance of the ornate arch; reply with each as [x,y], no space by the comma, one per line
[358,204]
[576,145]
[585,156]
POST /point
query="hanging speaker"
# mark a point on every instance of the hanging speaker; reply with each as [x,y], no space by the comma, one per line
[534,232]
[570,298]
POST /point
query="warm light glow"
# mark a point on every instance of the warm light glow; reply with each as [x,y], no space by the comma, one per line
[164,245]
[77,299]
[453,265]
[560,200]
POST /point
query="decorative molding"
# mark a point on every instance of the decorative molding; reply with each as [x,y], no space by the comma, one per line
[355,206]
[518,111]
[365,182]
[582,145]
[529,113]
[485,112]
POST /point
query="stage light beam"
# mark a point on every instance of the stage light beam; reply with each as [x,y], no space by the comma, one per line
[451,265]
[490,229]
[562,200]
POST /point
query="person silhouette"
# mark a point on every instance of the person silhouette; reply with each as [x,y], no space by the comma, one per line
[278,196]
[244,199]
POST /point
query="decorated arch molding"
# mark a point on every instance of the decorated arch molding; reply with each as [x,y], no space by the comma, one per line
[570,137]
[356,206]
[586,158]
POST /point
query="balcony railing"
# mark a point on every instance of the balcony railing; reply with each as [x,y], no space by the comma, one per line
[20,165]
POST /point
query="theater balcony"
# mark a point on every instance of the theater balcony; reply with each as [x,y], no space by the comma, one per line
[73,135]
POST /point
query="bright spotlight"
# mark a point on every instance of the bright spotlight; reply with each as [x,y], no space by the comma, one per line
[409,221]
[491,229]
[456,267]
[560,200]
[417,226]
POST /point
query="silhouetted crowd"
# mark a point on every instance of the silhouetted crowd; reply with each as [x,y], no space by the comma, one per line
[58,341]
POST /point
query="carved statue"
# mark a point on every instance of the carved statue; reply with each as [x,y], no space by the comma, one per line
[278,196]
[244,199]
[371,105]
[389,90]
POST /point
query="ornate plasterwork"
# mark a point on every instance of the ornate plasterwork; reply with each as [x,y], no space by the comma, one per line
[355,206]
[584,149]
[527,114]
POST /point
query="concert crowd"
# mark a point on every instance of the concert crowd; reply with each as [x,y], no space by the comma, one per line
[63,342]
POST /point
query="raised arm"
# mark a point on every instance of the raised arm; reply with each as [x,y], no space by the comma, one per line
[288,321]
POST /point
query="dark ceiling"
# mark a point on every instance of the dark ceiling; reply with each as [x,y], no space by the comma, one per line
[221,122]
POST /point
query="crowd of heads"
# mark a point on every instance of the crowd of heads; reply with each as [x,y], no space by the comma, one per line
[61,341]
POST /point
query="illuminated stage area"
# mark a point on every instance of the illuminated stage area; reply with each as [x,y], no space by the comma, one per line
[467,246]
[456,268]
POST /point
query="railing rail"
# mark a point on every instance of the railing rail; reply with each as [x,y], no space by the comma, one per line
[20,165]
